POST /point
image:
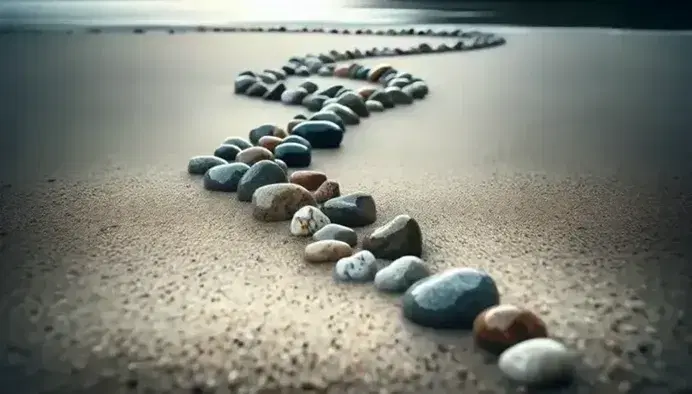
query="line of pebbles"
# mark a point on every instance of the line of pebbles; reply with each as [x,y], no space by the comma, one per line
[257,170]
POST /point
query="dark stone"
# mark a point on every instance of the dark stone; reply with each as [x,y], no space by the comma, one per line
[241,143]
[300,116]
[258,89]
[243,83]
[383,98]
[325,58]
[199,165]
[262,173]
[314,102]
[261,131]
[227,152]
[362,73]
[352,210]
[289,69]
[268,78]
[298,140]
[398,96]
[275,93]
[321,134]
[293,96]
[355,103]
[310,86]
[346,114]
[294,154]
[329,116]
[225,177]
[276,73]
[399,237]
[331,91]
[302,71]
[247,72]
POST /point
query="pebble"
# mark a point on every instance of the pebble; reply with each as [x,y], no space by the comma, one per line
[325,71]
[268,78]
[377,72]
[241,143]
[300,117]
[399,82]
[266,129]
[336,232]
[538,362]
[354,102]
[383,98]
[331,91]
[257,89]
[359,268]
[293,96]
[374,106]
[310,180]
[346,114]
[280,75]
[294,154]
[282,164]
[401,274]
[398,96]
[274,94]
[199,165]
[298,140]
[269,142]
[254,154]
[366,92]
[243,83]
[260,174]
[342,71]
[292,124]
[327,251]
[227,152]
[302,71]
[451,299]
[314,102]
[309,86]
[225,177]
[307,221]
[352,210]
[503,326]
[321,134]
[328,190]
[329,116]
[399,237]
[279,201]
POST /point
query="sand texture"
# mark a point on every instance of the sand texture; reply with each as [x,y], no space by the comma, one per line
[561,163]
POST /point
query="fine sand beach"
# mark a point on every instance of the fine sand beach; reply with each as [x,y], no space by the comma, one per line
[561,163]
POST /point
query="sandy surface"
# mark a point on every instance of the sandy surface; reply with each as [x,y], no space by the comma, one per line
[561,163]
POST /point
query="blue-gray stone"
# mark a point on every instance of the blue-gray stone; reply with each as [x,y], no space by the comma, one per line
[329,116]
[354,102]
[352,210]
[243,82]
[241,143]
[257,89]
[199,165]
[264,172]
[359,268]
[294,154]
[321,134]
[227,152]
[336,232]
[451,299]
[298,140]
[331,91]
[346,114]
[261,131]
[398,96]
[401,274]
[225,177]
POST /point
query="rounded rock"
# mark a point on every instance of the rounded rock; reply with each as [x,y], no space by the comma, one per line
[243,83]
[399,237]
[538,362]
[503,326]
[279,201]
[374,106]
[269,142]
[227,152]
[359,268]
[225,177]
[266,129]
[314,102]
[398,96]
[328,190]
[307,221]
[346,114]
[327,251]
[292,125]
[260,174]
[377,72]
[241,143]
[298,140]
[321,134]
[401,274]
[336,232]
[257,89]
[355,103]
[310,180]
[253,155]
[451,299]
[352,210]
[329,116]
[282,164]
[293,96]
[199,165]
[295,155]
[383,98]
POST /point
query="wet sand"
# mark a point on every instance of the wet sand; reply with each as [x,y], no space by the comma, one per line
[561,163]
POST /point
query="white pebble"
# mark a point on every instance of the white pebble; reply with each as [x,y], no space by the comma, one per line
[307,221]
[538,361]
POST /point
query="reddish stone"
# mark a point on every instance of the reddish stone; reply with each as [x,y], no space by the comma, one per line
[342,71]
[366,92]
[270,142]
[254,154]
[328,190]
[502,326]
[310,180]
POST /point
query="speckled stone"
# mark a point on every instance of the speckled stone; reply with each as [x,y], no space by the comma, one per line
[257,89]
[269,142]
[295,155]
[279,201]
[199,165]
[346,114]
[337,232]
[254,154]
[399,237]
[354,102]
[225,177]
[538,362]
[451,299]
[308,220]
[359,268]
[374,106]
[383,98]
[352,210]
[327,251]
[310,180]
[241,143]
[401,274]
[502,326]
[329,116]
[266,129]
[321,134]
[398,96]
[227,152]
[298,140]
[260,174]
[293,96]
[314,102]
[243,83]
[328,190]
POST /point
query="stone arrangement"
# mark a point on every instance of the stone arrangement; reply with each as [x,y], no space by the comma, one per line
[257,170]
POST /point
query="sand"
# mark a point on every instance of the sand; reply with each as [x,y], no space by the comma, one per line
[560,163]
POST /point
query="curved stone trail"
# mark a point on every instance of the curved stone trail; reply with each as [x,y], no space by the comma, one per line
[256,168]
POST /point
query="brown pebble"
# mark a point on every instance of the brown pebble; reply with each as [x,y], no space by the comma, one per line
[293,123]
[279,132]
[328,190]
[377,72]
[342,71]
[327,251]
[254,154]
[310,180]
[502,326]
[269,142]
[366,92]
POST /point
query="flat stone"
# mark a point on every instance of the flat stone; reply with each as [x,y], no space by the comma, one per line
[352,210]
[355,103]
[266,129]
[314,102]
[248,73]
[451,299]
[399,237]
[321,134]
[253,155]
[227,152]
[225,177]
[199,165]
[346,114]
[538,362]
[274,94]
[336,232]
[327,251]
[243,83]
[359,268]
[241,143]
[308,220]
[279,201]
[309,86]
[260,174]
[293,96]
[328,190]
[398,96]
[502,326]
[401,274]
[383,98]
[310,180]
[294,154]
[329,116]
[257,89]
[362,74]
[374,106]
[269,142]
